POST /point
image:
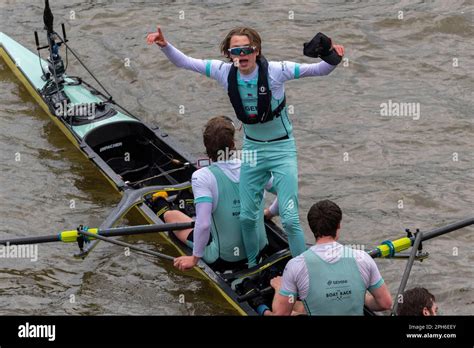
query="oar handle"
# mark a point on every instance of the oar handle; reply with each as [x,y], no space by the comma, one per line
[255,293]
[131,230]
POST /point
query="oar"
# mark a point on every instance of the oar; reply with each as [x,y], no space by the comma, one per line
[71,236]
[130,199]
[126,245]
[390,248]
[254,293]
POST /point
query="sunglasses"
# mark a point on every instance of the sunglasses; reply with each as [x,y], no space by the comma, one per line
[237,51]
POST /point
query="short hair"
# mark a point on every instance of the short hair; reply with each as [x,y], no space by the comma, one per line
[414,300]
[252,34]
[324,218]
[218,136]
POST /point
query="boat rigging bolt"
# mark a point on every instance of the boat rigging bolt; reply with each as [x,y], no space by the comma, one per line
[82,239]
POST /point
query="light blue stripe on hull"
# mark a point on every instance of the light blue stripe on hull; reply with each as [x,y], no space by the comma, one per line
[29,64]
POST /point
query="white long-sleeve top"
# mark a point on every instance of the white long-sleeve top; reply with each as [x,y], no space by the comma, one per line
[279,72]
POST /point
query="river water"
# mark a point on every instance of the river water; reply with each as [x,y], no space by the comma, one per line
[387,173]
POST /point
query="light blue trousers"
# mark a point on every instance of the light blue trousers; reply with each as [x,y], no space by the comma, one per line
[259,162]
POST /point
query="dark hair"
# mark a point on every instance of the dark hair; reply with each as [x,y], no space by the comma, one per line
[252,34]
[218,136]
[324,218]
[414,300]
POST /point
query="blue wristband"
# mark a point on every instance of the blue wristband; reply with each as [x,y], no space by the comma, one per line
[262,308]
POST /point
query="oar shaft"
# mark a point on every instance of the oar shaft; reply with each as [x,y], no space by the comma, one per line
[131,230]
[31,240]
[126,245]
[446,229]
[71,236]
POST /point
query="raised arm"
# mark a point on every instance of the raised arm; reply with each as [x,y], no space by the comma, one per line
[176,57]
[181,60]
[209,67]
[284,71]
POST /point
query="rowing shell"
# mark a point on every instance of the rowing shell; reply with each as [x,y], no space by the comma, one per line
[125,150]
[139,160]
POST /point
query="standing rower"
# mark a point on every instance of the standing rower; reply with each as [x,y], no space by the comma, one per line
[256,91]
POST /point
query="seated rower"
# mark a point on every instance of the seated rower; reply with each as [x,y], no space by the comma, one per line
[329,278]
[417,302]
[217,235]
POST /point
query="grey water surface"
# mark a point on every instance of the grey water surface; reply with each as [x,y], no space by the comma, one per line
[387,173]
